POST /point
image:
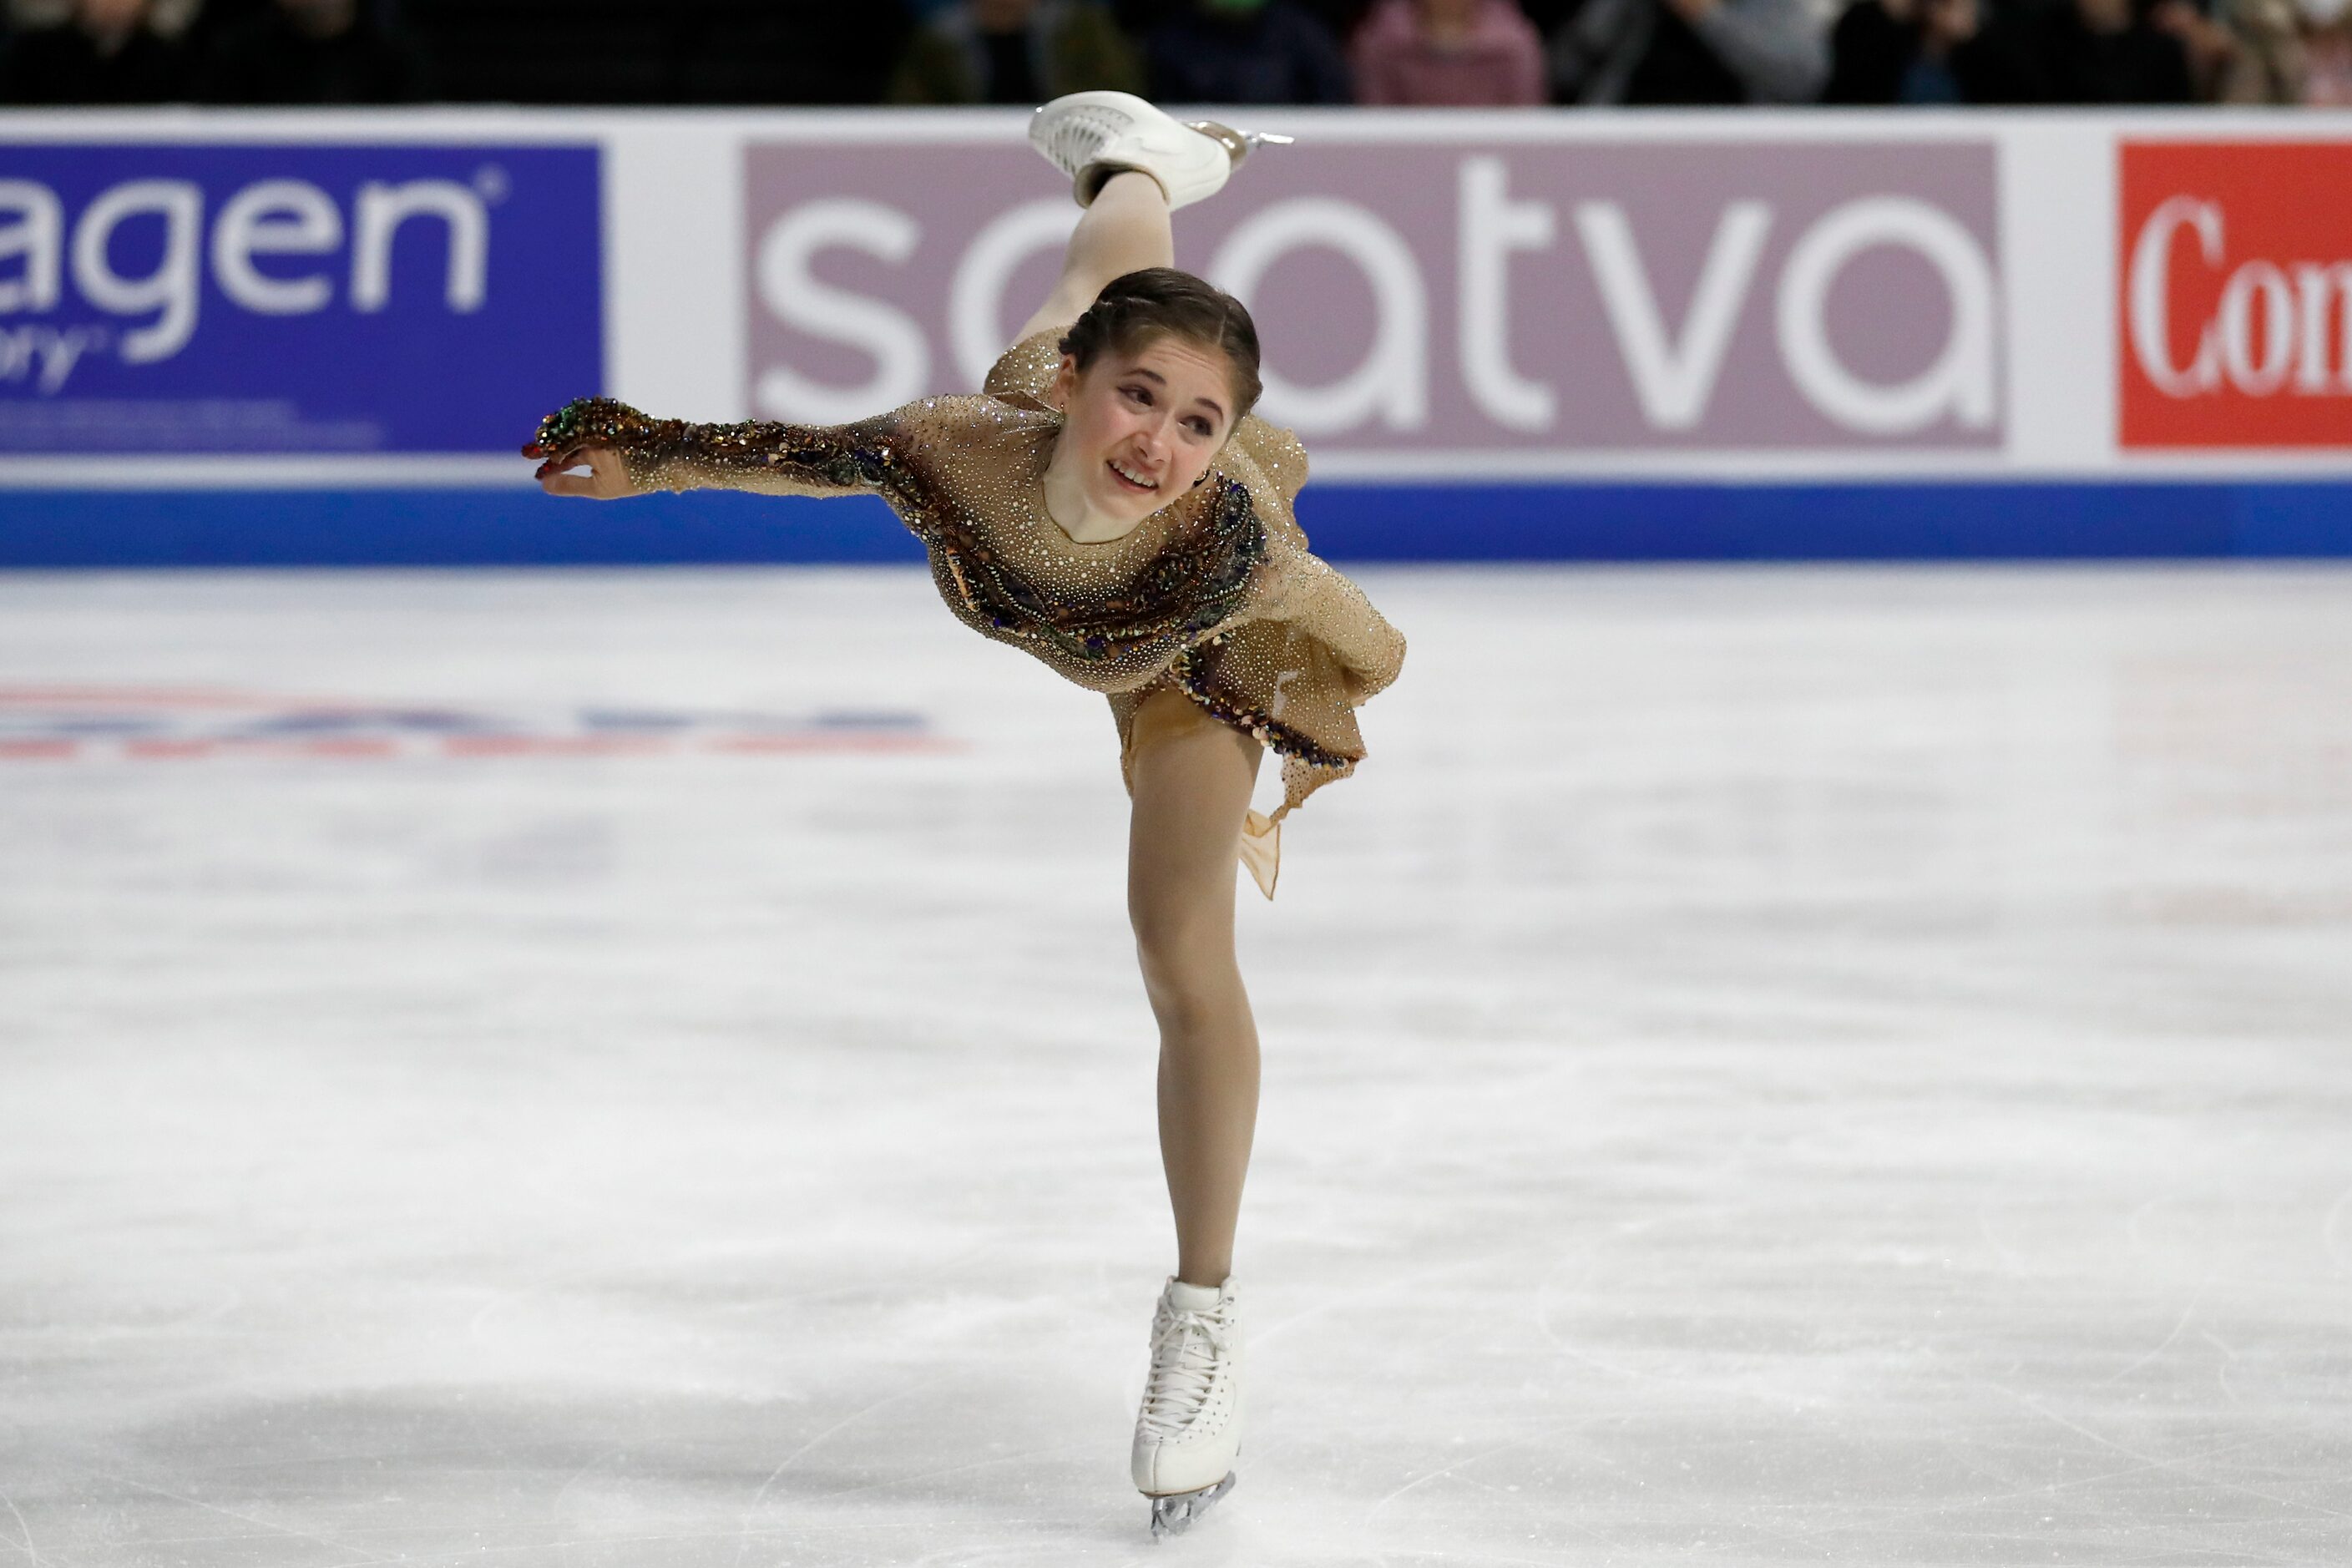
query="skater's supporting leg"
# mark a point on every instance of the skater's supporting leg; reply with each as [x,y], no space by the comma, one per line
[1125,230]
[1192,777]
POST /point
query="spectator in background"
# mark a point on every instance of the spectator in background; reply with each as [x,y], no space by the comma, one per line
[2208,42]
[1908,51]
[2326,53]
[312,52]
[2084,52]
[96,52]
[1245,51]
[1015,51]
[2266,62]
[1461,53]
[1691,51]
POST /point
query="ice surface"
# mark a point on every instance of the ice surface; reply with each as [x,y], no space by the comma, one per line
[1762,1067]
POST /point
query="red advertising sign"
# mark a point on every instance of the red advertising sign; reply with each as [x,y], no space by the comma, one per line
[2236,294]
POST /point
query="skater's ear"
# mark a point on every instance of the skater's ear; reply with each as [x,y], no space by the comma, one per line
[1064,385]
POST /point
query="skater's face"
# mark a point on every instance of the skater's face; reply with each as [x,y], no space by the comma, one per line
[1143,427]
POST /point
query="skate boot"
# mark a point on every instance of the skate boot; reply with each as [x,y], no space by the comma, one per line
[1189,1426]
[1090,136]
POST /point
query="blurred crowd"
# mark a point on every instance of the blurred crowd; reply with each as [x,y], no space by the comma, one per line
[1436,53]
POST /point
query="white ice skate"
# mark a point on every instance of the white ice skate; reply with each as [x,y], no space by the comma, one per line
[1189,1426]
[1090,136]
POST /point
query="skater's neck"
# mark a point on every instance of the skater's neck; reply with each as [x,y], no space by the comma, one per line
[1070,509]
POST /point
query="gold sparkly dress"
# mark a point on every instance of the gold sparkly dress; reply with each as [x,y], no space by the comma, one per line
[1214,594]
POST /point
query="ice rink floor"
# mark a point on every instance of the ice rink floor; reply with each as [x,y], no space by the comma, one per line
[618,1070]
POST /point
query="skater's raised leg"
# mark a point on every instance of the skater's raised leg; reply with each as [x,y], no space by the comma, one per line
[1125,230]
[1129,165]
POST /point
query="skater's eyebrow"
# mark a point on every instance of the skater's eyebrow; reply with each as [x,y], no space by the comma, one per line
[1164,381]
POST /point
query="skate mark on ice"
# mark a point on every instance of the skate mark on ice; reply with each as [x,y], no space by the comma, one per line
[2174,1467]
[2013,1262]
[226,1300]
[32,1554]
[2179,1326]
[1372,1513]
[365,1556]
[991,1460]
[930,1273]
[505,1297]
[555,1504]
[1353,1298]
[2222,1372]
[1878,1516]
[1541,1311]
[2328,1226]
[744,1529]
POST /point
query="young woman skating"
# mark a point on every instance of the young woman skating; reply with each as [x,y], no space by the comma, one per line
[1109,504]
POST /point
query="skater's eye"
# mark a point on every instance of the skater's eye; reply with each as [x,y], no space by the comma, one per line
[1140,394]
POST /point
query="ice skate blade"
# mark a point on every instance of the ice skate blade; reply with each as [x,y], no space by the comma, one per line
[1173,1514]
[1237,144]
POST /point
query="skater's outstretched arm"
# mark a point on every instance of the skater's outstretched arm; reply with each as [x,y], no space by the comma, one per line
[627,453]
[1126,229]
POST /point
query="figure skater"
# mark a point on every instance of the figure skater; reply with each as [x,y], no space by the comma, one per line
[1109,504]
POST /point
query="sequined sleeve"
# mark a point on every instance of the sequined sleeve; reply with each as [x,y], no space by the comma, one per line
[755,455]
[1303,590]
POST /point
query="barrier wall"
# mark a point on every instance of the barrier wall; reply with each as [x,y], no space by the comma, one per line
[319,339]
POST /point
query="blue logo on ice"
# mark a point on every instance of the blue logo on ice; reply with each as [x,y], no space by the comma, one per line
[186,298]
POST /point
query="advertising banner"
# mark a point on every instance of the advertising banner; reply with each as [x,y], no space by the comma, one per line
[1431,305]
[286,297]
[1503,335]
[2236,294]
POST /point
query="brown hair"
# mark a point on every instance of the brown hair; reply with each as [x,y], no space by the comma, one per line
[1135,308]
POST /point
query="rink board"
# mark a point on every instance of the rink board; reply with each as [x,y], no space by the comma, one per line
[317,338]
[1623,521]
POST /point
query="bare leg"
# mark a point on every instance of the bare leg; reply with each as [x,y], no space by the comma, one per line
[1125,230]
[1192,778]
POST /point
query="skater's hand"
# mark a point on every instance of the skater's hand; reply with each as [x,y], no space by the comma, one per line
[604,480]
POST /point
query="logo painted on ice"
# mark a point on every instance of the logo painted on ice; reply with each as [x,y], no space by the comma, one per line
[177,723]
[2237,295]
[189,296]
[1540,296]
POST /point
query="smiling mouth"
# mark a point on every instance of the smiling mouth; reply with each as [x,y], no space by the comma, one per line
[1132,481]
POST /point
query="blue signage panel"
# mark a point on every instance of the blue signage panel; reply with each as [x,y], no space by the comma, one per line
[294,299]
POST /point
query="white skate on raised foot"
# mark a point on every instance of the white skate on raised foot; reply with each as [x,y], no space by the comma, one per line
[1189,1426]
[1090,136]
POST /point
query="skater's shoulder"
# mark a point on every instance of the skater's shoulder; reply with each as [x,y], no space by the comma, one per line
[970,424]
[1271,452]
[968,445]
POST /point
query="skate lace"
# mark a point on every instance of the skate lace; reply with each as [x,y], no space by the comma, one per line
[1073,140]
[1187,1347]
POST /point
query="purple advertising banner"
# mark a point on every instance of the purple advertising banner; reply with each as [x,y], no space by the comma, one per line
[1464,299]
[279,298]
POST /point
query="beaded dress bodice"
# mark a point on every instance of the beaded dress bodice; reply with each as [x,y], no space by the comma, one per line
[1214,593]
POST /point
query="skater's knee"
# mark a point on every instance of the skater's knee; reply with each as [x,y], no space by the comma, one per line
[1174,935]
[1189,976]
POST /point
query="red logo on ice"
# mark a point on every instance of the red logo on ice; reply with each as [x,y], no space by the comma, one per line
[2236,294]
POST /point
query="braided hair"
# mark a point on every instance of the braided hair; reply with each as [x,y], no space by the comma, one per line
[1136,308]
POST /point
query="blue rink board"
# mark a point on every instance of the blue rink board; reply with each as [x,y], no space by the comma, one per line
[1632,521]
